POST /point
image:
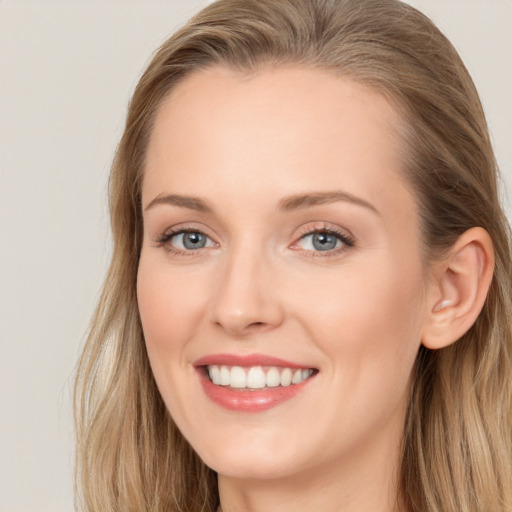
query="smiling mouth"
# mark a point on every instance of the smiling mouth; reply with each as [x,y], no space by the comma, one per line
[257,377]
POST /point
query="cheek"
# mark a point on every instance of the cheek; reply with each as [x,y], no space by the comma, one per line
[367,319]
[171,306]
[368,325]
[380,297]
[170,309]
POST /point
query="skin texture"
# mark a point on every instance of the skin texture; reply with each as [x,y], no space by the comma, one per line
[243,144]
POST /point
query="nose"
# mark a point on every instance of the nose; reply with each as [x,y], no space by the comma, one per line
[246,299]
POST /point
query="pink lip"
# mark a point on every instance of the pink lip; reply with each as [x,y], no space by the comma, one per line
[247,401]
[246,360]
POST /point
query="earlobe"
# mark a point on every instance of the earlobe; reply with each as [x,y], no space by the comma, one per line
[459,289]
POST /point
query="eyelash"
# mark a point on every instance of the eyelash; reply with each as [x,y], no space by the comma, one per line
[346,239]
[162,241]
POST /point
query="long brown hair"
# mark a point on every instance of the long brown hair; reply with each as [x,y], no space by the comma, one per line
[457,447]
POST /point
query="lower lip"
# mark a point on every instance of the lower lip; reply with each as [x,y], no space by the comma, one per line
[249,401]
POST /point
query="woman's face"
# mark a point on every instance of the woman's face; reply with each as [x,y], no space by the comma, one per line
[280,244]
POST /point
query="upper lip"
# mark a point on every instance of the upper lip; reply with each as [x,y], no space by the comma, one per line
[246,361]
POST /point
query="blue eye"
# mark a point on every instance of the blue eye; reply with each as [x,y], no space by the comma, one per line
[324,241]
[189,240]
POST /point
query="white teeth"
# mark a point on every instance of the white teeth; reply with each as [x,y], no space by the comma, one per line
[286,377]
[237,377]
[224,376]
[214,373]
[297,377]
[306,373]
[257,377]
[273,378]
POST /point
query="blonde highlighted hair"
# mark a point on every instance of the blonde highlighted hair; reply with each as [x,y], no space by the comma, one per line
[457,444]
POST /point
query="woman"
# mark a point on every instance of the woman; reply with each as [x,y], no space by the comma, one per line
[309,301]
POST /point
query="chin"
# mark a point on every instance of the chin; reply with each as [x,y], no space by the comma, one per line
[252,468]
[256,460]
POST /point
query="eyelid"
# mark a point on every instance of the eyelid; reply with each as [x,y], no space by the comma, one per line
[183,227]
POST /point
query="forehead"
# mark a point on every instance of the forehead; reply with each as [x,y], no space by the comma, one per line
[277,128]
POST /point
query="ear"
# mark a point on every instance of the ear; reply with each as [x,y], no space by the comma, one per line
[459,288]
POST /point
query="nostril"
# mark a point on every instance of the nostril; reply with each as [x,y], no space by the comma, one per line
[257,325]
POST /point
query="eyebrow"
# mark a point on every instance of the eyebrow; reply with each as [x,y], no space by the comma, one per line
[295,202]
[308,200]
[192,203]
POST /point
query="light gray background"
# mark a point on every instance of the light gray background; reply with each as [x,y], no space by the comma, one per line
[67,69]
